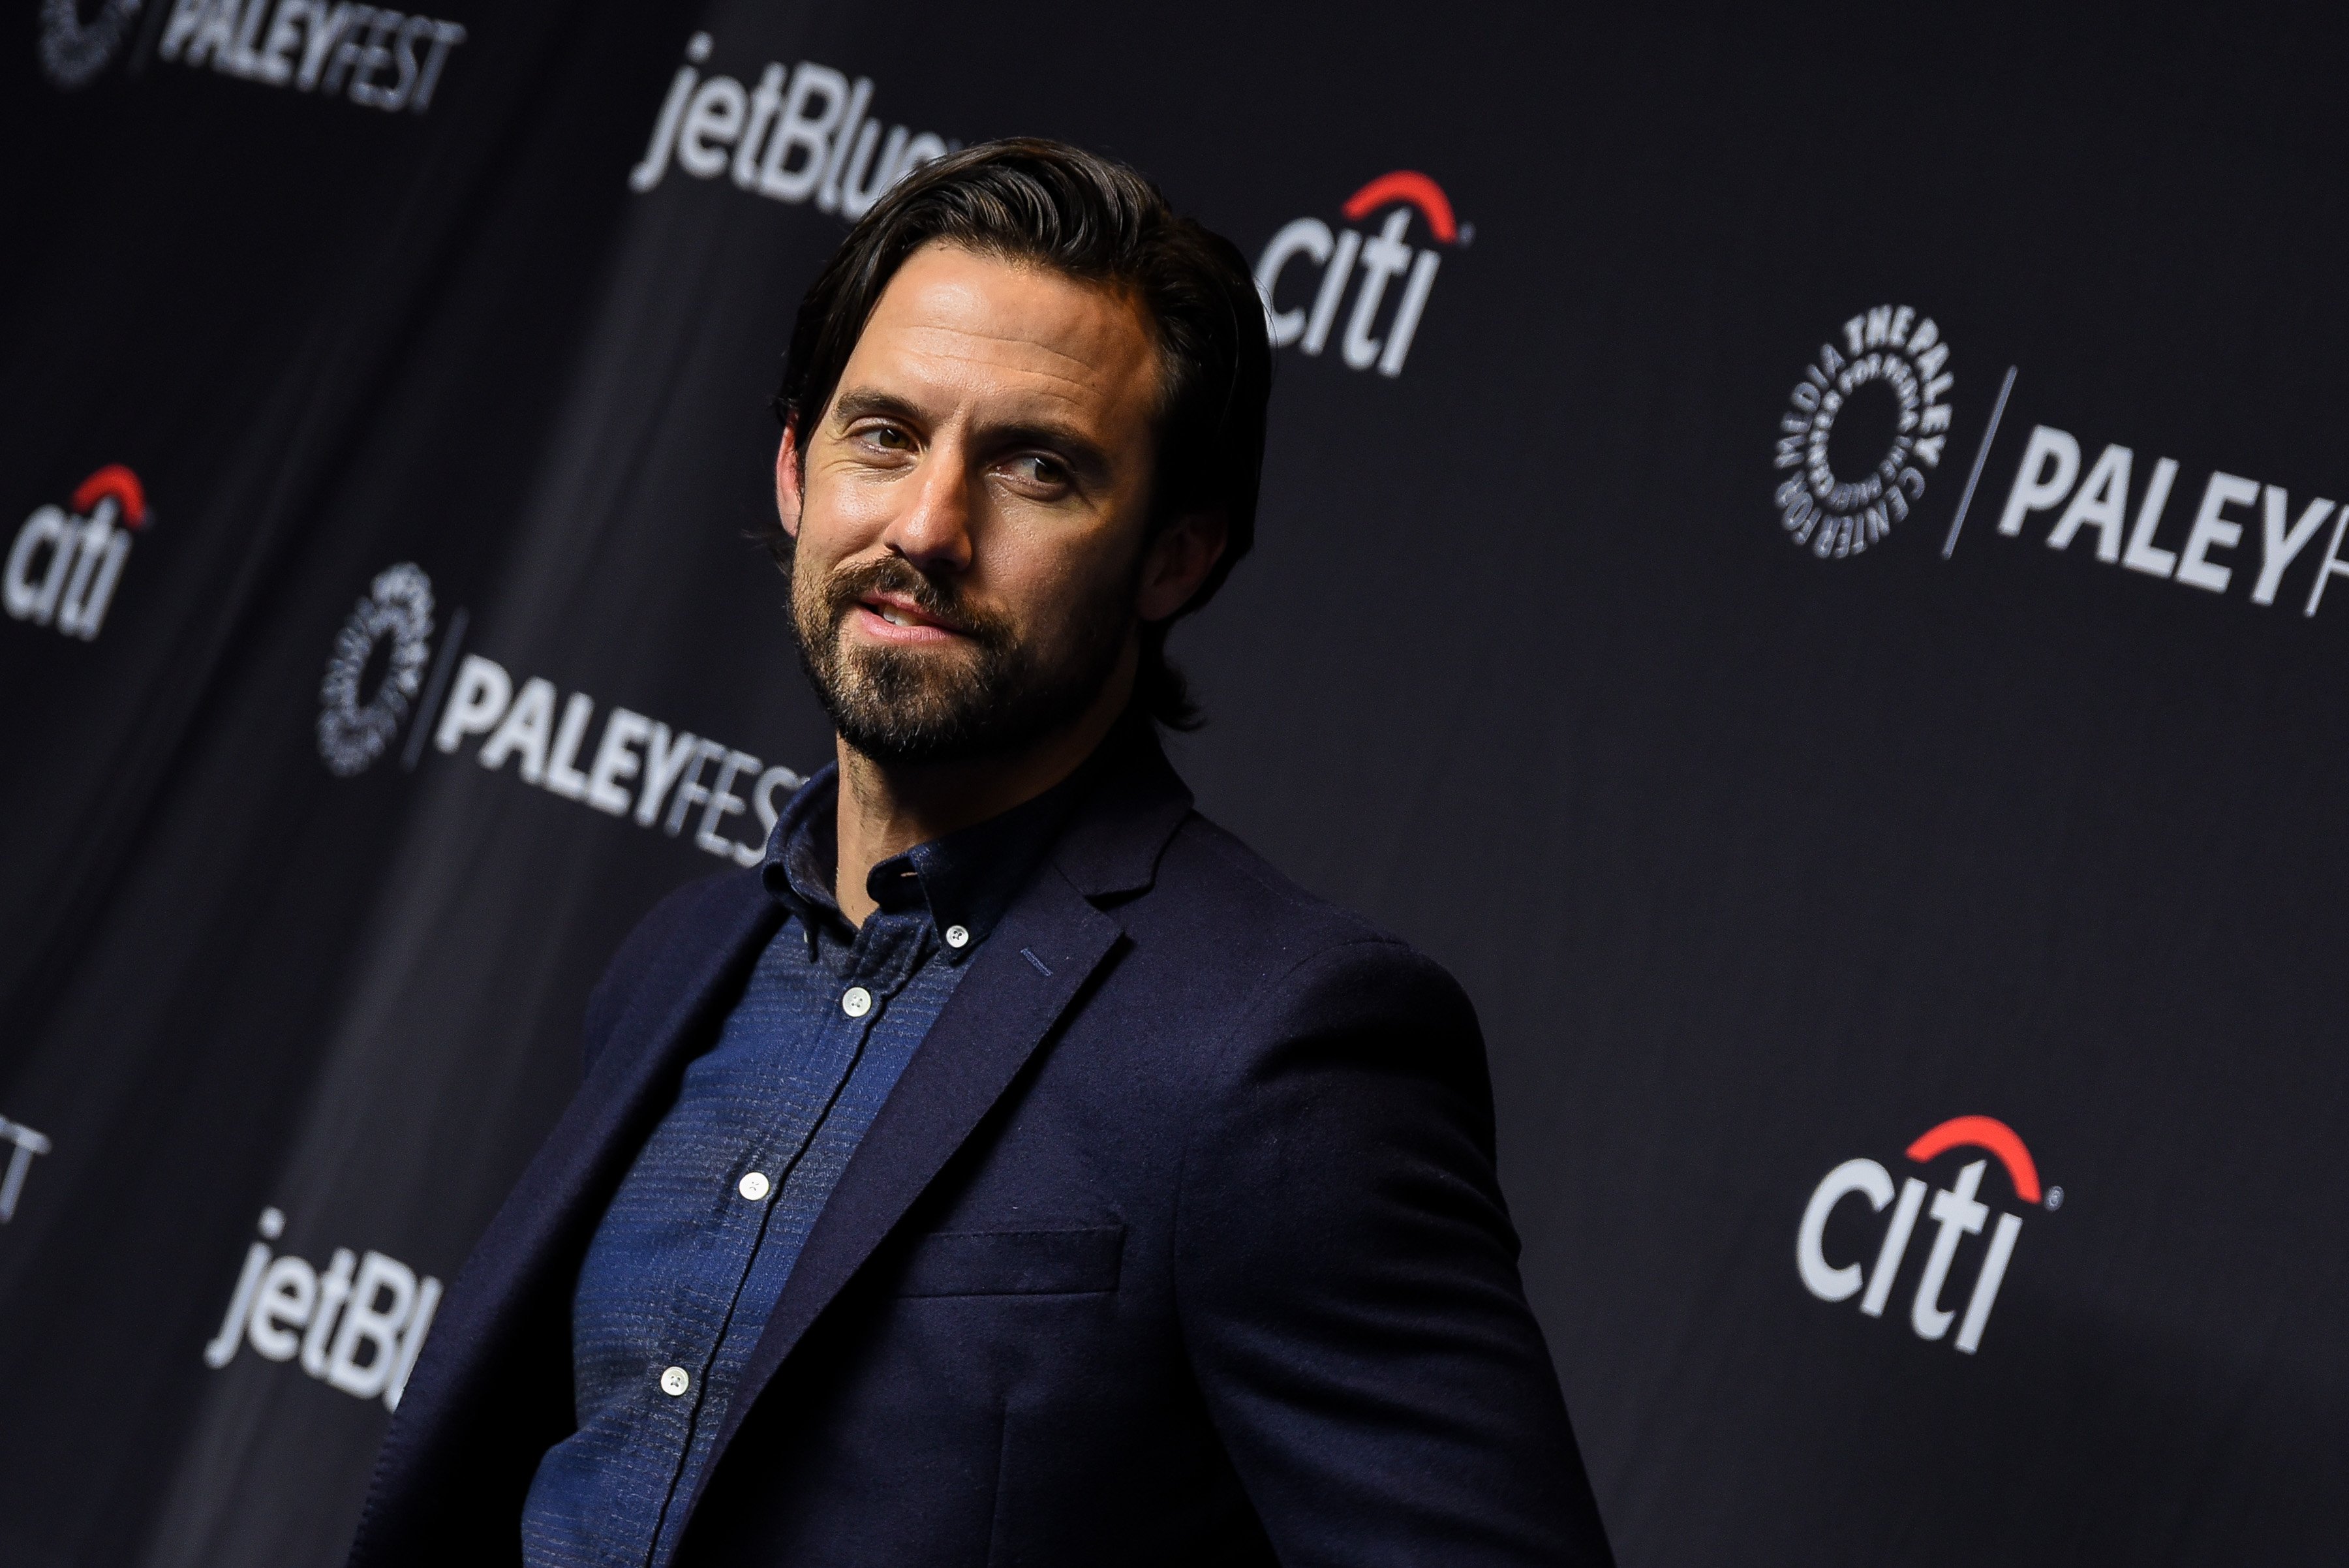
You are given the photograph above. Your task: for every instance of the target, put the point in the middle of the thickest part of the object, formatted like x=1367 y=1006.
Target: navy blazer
x=1178 y=1242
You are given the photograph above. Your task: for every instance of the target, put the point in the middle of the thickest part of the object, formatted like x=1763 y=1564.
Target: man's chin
x=904 y=735
x=907 y=710
x=928 y=678
x=957 y=702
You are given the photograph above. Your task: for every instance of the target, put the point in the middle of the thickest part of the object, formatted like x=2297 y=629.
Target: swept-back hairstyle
x=1097 y=221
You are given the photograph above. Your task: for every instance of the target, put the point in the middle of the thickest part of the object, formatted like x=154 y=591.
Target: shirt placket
x=884 y=956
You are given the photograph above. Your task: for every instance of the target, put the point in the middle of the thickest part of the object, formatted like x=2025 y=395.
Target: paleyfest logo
x=24 y=1144
x=1869 y=420
x=377 y=57
x=1889 y=355
x=1957 y=1213
x=384 y=674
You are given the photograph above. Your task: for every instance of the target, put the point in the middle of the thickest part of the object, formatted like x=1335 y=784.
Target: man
x=1013 y=1168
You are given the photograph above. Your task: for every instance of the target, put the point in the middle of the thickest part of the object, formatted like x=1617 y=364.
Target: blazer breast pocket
x=1074 y=1262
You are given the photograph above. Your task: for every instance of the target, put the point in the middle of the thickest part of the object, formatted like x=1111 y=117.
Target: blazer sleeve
x=1347 y=1282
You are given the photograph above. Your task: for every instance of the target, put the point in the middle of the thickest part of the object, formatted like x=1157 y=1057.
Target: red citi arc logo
x=1955 y=1211
x=63 y=568
x=1379 y=259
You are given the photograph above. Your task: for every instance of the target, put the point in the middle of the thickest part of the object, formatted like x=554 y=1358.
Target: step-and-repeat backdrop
x=1803 y=564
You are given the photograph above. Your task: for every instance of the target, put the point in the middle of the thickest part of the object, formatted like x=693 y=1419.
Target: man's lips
x=887 y=618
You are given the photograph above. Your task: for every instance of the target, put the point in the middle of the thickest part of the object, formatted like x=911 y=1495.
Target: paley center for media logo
x=1375 y=266
x=1958 y=1212
x=64 y=566
x=1895 y=354
x=629 y=766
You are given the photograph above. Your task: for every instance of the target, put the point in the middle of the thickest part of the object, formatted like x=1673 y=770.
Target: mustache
x=895 y=574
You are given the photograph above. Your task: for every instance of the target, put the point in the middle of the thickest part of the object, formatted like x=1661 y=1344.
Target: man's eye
x=889 y=438
x=1035 y=469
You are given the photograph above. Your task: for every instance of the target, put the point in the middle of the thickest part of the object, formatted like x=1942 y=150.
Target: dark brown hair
x=1097 y=221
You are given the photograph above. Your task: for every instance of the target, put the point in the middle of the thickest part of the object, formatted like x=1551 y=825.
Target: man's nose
x=933 y=532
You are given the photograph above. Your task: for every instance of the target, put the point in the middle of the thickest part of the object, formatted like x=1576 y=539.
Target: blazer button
x=675 y=1382
x=753 y=1185
x=857 y=1003
x=958 y=937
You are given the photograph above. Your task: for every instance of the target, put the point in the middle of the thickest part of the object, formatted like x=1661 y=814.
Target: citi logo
x=1956 y=1212
x=1378 y=260
x=64 y=566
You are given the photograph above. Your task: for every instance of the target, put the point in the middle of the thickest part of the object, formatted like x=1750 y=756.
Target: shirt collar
x=966 y=879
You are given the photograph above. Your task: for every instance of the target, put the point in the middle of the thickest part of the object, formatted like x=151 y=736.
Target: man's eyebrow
x=864 y=403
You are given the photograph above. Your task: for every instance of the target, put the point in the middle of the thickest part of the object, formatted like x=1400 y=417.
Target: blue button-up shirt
x=692 y=1254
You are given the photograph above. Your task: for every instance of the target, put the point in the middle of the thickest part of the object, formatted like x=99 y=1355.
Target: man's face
x=969 y=513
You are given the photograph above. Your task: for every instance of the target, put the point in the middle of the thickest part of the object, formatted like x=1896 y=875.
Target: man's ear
x=790 y=494
x=1178 y=561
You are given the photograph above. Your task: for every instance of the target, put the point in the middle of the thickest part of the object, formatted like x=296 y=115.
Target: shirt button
x=753 y=1185
x=857 y=1003
x=675 y=1382
x=958 y=937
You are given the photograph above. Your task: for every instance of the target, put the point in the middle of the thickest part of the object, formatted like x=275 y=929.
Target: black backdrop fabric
x=1806 y=585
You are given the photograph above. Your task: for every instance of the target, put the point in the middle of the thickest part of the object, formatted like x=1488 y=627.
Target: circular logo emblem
x=1862 y=429
x=73 y=51
x=353 y=733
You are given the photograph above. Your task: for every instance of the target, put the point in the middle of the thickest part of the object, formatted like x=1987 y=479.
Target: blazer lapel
x=606 y=1124
x=1033 y=964
x=545 y=1222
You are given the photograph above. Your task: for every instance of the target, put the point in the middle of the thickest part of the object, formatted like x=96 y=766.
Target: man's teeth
x=896 y=617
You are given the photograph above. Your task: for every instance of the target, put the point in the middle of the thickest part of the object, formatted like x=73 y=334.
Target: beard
x=1000 y=688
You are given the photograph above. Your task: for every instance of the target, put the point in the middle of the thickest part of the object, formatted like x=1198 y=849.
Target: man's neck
x=884 y=811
